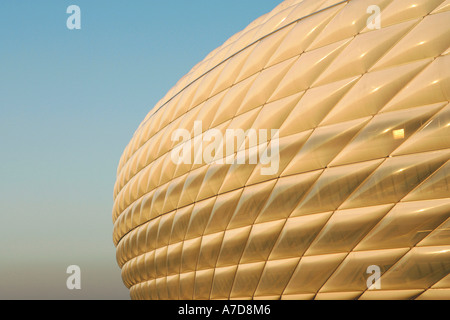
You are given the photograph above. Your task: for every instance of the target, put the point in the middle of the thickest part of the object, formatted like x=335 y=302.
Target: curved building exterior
x=306 y=158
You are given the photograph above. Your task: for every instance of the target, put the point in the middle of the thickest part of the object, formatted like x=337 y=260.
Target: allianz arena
x=358 y=206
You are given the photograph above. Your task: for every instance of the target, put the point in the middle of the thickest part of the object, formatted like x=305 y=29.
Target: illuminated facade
x=362 y=181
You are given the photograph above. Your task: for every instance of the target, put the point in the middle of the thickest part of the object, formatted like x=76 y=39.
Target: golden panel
x=354 y=202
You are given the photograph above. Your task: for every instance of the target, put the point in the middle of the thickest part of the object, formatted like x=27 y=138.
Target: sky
x=70 y=100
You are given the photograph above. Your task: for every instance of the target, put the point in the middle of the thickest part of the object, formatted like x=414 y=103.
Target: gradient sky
x=69 y=103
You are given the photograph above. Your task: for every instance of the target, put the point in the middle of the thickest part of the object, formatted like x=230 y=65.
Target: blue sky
x=70 y=100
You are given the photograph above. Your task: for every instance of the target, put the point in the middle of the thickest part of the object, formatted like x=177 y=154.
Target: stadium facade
x=350 y=111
